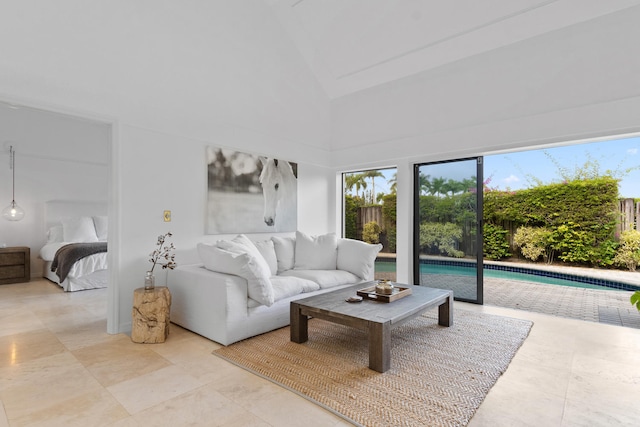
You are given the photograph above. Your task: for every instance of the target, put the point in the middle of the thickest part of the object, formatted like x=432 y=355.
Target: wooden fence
x=366 y=215
x=629 y=215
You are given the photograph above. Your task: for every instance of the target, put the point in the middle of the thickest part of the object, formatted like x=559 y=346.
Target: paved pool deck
x=603 y=306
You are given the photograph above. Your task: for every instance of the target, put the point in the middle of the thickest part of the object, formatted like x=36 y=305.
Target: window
x=369 y=214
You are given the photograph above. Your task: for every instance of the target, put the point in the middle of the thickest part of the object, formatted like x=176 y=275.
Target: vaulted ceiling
x=352 y=45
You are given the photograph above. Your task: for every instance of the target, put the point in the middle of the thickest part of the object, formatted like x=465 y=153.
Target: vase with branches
x=162 y=255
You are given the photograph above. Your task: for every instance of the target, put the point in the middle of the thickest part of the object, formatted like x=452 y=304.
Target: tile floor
x=58 y=367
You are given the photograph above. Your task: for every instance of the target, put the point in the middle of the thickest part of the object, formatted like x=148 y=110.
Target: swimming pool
x=461 y=268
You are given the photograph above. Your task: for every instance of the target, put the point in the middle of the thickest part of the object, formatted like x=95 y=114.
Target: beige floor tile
x=18 y=319
x=203 y=406
x=19 y=348
x=52 y=389
x=4 y=421
x=84 y=334
x=510 y=406
x=97 y=408
x=59 y=367
x=523 y=378
x=580 y=413
x=37 y=371
x=155 y=387
x=119 y=360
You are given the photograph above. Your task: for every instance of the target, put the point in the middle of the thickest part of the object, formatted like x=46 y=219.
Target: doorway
x=448 y=227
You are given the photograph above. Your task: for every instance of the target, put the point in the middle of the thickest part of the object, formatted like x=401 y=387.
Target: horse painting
x=279 y=189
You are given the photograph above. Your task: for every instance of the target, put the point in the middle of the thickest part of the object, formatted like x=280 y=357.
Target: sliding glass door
x=448 y=227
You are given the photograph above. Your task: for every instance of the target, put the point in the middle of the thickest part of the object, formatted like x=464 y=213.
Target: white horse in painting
x=279 y=188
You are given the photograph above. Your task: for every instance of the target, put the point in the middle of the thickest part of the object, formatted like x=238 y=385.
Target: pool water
x=382 y=266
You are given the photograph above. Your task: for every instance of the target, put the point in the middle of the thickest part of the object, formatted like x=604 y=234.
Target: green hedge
x=581 y=216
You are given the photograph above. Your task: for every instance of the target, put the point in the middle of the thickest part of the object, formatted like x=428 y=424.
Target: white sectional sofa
x=243 y=288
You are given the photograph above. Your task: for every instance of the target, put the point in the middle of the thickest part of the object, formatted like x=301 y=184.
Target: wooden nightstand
x=15 y=265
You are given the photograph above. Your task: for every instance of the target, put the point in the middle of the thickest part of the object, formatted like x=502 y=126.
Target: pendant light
x=13 y=212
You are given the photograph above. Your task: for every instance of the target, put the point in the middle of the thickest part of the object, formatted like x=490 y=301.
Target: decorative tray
x=371 y=294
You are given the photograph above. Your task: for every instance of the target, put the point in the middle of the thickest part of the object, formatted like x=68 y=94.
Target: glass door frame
x=479 y=225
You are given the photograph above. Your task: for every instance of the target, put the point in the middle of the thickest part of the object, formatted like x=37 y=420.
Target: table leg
x=299 y=324
x=380 y=346
x=445 y=312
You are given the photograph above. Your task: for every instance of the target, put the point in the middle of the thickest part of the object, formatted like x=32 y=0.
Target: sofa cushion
x=285 y=252
x=324 y=278
x=316 y=252
x=358 y=257
x=268 y=252
x=237 y=261
x=285 y=287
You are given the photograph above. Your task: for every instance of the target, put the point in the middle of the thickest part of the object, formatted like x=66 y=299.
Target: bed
x=75 y=254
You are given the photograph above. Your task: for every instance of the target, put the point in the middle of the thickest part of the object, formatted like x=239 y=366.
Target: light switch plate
x=167 y=216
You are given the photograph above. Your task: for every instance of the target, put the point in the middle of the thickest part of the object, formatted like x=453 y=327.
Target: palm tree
x=437 y=186
x=356 y=180
x=394 y=183
x=424 y=184
x=372 y=174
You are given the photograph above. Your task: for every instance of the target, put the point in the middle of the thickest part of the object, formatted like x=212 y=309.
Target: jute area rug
x=439 y=376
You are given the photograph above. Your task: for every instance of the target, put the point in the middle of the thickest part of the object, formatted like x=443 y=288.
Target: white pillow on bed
x=79 y=230
x=55 y=234
x=101 y=225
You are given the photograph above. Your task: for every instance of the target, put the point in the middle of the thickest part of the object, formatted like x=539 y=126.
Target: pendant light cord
x=13 y=169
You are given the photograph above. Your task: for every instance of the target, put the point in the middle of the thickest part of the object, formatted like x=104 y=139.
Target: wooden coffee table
x=376 y=318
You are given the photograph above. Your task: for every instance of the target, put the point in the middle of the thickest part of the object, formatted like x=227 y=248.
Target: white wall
x=171 y=77
x=577 y=83
x=57 y=157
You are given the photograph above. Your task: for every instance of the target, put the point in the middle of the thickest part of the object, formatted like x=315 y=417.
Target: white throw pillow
x=257 y=271
x=55 y=234
x=101 y=225
x=285 y=252
x=220 y=260
x=237 y=261
x=357 y=257
x=79 y=230
x=268 y=252
x=316 y=252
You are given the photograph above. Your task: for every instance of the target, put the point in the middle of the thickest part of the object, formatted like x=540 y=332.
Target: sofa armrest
x=207 y=302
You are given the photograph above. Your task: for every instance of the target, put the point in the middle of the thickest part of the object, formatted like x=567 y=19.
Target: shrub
x=371 y=232
x=441 y=238
x=534 y=243
x=629 y=251
x=495 y=245
x=350 y=215
x=389 y=220
x=635 y=299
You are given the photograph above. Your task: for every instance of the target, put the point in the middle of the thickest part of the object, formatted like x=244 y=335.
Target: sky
x=516 y=171
x=525 y=169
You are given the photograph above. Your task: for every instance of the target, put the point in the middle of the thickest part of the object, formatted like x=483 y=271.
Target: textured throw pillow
x=256 y=270
x=238 y=262
x=316 y=252
x=220 y=260
x=285 y=252
x=101 y=225
x=357 y=257
x=79 y=230
x=268 y=252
